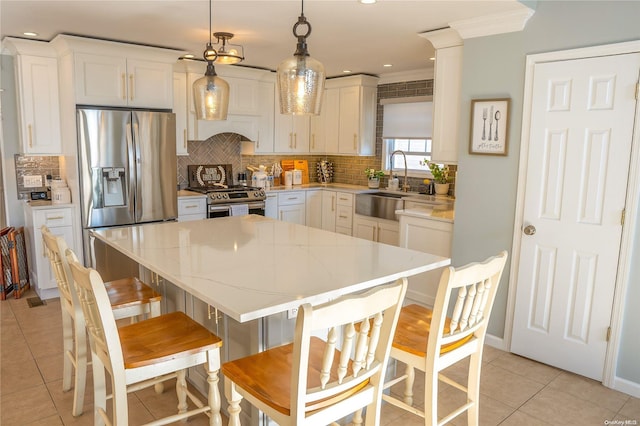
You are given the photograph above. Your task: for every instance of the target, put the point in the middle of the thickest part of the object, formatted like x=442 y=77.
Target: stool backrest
x=99 y=319
x=361 y=327
x=54 y=249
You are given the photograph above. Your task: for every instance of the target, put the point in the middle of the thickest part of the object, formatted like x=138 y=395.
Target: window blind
x=407 y=120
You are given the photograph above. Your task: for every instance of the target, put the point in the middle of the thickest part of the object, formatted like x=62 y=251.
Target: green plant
x=372 y=173
x=440 y=173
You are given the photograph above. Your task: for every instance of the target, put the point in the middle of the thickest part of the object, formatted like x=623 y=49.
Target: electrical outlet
x=292 y=313
x=32 y=181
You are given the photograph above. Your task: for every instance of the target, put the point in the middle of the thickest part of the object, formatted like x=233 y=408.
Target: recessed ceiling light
x=189 y=56
x=433 y=58
x=387 y=65
x=367 y=1
x=346 y=71
x=30 y=34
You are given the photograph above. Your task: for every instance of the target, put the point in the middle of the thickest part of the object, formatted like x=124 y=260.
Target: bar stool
x=429 y=341
x=129 y=297
x=318 y=381
x=140 y=355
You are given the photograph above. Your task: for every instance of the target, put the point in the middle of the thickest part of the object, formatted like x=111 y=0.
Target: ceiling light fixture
x=211 y=93
x=301 y=78
x=30 y=34
x=231 y=55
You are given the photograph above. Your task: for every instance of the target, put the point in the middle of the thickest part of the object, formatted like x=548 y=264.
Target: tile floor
x=514 y=391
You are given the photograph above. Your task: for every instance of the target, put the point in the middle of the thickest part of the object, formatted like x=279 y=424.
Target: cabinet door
x=314 y=210
x=192 y=208
x=271 y=206
x=264 y=141
x=389 y=233
x=243 y=96
x=39 y=105
x=349 y=131
x=150 y=84
x=324 y=128
x=329 y=207
x=365 y=228
x=180 y=109
x=291 y=133
x=100 y=80
x=294 y=214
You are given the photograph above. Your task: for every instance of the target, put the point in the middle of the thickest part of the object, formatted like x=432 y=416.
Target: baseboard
x=495 y=342
x=627 y=386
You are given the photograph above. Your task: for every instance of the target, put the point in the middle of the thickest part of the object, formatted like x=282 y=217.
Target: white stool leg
x=67 y=345
x=234 y=399
x=181 y=391
x=80 y=352
x=213 y=367
x=408 y=386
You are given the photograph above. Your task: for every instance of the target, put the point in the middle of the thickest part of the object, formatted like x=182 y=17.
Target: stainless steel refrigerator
x=128 y=169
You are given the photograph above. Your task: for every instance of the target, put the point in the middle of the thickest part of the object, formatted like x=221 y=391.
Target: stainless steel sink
x=382 y=205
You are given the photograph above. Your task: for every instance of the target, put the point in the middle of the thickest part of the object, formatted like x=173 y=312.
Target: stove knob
x=225 y=196
x=219 y=196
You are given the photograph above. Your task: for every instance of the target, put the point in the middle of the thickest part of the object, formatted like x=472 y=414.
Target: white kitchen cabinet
x=378 y=230
x=59 y=220
x=192 y=208
x=291 y=207
x=291 y=133
x=118 y=80
x=314 y=208
x=180 y=109
x=271 y=205
x=329 y=208
x=264 y=142
x=324 y=131
x=357 y=120
x=344 y=213
x=37 y=96
x=429 y=236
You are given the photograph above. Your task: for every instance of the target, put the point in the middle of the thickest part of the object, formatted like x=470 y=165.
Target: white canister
x=288 y=178
x=297 y=177
x=60 y=195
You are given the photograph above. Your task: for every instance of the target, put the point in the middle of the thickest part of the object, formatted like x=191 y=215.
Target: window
x=416 y=151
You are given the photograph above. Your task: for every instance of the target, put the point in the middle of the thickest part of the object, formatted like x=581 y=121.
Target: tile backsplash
x=27 y=165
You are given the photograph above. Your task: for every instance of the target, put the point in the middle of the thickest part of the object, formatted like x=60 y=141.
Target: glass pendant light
x=301 y=78
x=211 y=93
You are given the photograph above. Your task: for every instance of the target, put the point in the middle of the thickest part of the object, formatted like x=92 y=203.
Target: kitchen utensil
x=484 y=123
x=490 y=122
x=497 y=118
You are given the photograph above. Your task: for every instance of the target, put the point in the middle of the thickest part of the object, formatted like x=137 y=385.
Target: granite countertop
x=251 y=266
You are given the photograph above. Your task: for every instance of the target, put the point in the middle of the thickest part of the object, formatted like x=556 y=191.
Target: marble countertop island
x=250 y=267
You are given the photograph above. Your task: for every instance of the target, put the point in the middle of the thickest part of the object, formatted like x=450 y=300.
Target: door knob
x=529 y=230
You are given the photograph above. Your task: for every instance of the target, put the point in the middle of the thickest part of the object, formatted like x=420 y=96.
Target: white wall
x=494 y=67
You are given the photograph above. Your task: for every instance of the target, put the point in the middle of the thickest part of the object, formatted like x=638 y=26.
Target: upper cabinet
x=347 y=123
x=37 y=96
x=446 y=94
x=107 y=73
x=180 y=110
x=291 y=132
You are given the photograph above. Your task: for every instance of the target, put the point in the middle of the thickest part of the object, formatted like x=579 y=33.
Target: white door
x=582 y=118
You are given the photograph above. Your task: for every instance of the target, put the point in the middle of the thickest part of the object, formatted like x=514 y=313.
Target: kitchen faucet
x=405 y=187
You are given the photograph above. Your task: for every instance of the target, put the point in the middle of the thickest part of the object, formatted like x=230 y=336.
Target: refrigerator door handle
x=133 y=169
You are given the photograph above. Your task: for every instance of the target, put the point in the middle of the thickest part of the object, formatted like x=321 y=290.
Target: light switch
x=32 y=181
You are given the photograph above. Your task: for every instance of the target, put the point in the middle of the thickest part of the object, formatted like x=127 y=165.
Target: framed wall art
x=489 y=126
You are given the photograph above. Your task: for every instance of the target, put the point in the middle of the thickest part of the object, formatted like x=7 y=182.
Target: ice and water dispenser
x=113 y=186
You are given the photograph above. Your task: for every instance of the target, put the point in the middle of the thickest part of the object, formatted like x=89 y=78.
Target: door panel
x=578 y=163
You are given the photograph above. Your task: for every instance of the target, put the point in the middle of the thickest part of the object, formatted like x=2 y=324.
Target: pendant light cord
x=210 y=40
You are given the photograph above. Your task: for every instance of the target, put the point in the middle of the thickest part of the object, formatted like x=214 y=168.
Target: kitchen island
x=250 y=267
x=243 y=277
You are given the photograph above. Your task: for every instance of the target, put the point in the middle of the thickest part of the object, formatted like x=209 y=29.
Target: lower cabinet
x=428 y=236
x=271 y=206
x=59 y=220
x=292 y=207
x=192 y=208
x=379 y=230
x=314 y=208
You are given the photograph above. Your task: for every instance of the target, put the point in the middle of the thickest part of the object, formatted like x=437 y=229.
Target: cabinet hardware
x=185 y=138
x=355 y=141
x=29 y=127
x=342 y=217
x=124 y=87
x=193 y=206
x=333 y=203
x=131 y=91
x=291 y=140
x=55 y=218
x=295 y=141
x=313 y=141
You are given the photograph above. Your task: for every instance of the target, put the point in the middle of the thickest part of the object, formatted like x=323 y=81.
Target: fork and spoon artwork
x=491 y=116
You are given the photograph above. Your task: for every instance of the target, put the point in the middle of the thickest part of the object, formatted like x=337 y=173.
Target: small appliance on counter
x=60 y=193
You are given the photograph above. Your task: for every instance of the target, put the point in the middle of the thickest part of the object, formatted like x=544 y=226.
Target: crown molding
x=442 y=38
x=499 y=23
x=401 y=76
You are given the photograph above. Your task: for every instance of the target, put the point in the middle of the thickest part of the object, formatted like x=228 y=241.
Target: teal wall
x=494 y=67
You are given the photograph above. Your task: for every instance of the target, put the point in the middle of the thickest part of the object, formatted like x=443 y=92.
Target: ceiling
x=346 y=35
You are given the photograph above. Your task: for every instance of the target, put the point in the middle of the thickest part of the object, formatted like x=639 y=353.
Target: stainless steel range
x=223 y=197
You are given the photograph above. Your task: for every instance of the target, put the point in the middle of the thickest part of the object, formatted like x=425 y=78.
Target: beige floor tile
x=590 y=390
x=518 y=418
x=489 y=353
x=389 y=413
x=525 y=367
x=51 y=367
x=491 y=412
x=26 y=406
x=631 y=409
x=44 y=342
x=48 y=421
x=19 y=376
x=504 y=386
x=64 y=400
x=556 y=407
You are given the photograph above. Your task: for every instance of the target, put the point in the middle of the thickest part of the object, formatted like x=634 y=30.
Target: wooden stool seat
x=164 y=338
x=130 y=292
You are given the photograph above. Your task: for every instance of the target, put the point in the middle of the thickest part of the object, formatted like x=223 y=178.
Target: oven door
x=223 y=210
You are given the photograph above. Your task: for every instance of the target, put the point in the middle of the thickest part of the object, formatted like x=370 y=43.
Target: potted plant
x=440 y=178
x=374 y=177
